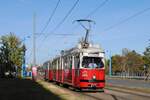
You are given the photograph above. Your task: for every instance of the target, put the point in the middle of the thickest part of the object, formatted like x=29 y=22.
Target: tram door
x=76 y=68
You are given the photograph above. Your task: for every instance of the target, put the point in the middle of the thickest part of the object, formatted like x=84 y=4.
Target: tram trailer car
x=79 y=67
x=48 y=73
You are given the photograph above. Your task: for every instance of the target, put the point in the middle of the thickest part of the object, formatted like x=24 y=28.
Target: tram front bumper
x=92 y=85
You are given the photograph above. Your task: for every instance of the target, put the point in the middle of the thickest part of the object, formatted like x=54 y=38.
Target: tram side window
x=44 y=67
x=50 y=64
x=70 y=62
x=54 y=65
x=58 y=64
x=65 y=62
x=77 y=62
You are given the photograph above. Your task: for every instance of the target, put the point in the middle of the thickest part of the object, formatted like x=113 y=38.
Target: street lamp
x=24 y=52
x=110 y=62
x=24 y=56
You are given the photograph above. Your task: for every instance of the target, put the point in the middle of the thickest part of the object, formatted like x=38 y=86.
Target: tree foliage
x=11 y=51
x=135 y=62
x=117 y=63
x=128 y=62
x=147 y=57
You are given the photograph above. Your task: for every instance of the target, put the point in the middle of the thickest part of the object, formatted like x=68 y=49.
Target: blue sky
x=16 y=16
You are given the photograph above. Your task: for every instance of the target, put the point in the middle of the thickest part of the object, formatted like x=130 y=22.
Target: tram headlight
x=94 y=77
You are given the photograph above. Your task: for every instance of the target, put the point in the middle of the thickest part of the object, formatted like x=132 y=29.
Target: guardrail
x=132 y=77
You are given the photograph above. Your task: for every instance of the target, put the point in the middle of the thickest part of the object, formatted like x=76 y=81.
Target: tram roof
x=78 y=48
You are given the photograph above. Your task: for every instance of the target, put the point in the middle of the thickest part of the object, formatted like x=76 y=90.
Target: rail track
x=108 y=94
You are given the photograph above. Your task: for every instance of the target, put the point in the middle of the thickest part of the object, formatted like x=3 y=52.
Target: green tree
x=117 y=63
x=134 y=62
x=11 y=52
x=147 y=56
x=146 y=59
x=107 y=66
x=128 y=62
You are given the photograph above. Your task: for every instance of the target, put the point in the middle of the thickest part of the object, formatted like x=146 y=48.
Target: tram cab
x=90 y=73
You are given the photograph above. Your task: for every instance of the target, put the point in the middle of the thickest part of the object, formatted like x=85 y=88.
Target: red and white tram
x=48 y=73
x=80 y=67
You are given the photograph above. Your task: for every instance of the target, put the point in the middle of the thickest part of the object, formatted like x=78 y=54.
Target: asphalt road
x=129 y=83
x=116 y=95
x=24 y=89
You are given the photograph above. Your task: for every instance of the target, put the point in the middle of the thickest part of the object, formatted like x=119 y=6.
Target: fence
x=140 y=76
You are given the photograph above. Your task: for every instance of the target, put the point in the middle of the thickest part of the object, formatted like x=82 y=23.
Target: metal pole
x=110 y=64
x=24 y=62
x=86 y=36
x=34 y=39
x=23 y=59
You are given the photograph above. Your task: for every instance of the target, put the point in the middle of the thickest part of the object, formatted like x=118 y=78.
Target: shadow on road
x=24 y=89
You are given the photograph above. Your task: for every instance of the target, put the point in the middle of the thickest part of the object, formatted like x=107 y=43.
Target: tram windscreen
x=92 y=62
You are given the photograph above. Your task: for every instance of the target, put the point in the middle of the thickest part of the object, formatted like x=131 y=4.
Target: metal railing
x=139 y=76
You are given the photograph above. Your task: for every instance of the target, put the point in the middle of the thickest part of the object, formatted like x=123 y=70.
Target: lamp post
x=24 y=57
x=23 y=60
x=110 y=64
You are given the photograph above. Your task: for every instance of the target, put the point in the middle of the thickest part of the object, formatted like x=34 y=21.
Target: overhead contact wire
x=50 y=18
x=127 y=19
x=63 y=20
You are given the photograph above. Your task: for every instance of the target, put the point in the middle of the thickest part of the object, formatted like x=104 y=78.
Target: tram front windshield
x=92 y=62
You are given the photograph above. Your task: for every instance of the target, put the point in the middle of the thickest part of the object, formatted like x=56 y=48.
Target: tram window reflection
x=92 y=62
